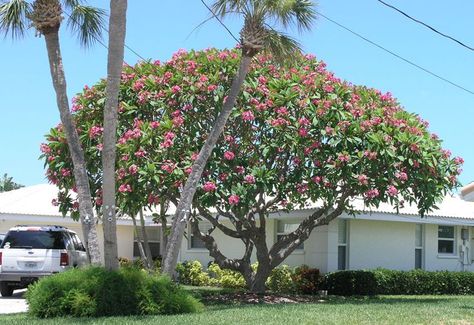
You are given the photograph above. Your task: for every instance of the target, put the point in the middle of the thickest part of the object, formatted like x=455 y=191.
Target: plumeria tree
x=297 y=135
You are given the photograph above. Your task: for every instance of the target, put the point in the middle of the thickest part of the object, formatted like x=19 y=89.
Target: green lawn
x=347 y=311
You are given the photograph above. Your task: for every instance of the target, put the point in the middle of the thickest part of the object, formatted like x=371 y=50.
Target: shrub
x=307 y=280
x=226 y=278
x=281 y=280
x=192 y=273
x=96 y=292
x=349 y=283
x=414 y=282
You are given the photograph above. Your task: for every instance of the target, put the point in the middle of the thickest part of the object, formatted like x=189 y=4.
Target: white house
x=380 y=237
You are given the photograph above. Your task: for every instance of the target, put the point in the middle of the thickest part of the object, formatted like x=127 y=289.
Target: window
x=418 y=246
x=286 y=227
x=342 y=231
x=446 y=240
x=153 y=234
x=35 y=239
x=195 y=242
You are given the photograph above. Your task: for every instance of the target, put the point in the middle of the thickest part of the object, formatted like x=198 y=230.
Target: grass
x=334 y=310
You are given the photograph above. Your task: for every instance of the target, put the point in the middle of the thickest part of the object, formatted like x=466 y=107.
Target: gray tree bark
x=146 y=243
x=187 y=195
x=86 y=212
x=117 y=28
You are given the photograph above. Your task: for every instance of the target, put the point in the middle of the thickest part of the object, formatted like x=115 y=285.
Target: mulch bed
x=253 y=298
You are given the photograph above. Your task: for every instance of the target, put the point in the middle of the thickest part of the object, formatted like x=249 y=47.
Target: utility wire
x=426 y=25
x=397 y=55
x=220 y=21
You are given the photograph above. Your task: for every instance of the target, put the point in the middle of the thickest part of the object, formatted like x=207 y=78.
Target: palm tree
x=46 y=17
x=256 y=35
x=117 y=28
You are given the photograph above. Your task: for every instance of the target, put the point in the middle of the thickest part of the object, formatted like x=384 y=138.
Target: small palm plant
x=46 y=16
x=256 y=35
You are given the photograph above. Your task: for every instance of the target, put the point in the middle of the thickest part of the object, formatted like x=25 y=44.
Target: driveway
x=13 y=304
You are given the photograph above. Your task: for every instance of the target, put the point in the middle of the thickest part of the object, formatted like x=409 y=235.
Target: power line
x=426 y=25
x=397 y=55
x=220 y=21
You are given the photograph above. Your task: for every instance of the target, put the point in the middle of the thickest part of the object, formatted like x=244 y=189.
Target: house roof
x=30 y=200
x=36 y=200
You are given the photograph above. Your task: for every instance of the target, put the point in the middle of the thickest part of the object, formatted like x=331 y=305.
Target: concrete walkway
x=13 y=304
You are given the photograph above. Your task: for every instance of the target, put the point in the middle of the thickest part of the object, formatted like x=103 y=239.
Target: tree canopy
x=296 y=135
x=7 y=184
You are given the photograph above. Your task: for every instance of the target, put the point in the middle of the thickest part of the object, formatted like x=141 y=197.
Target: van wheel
x=5 y=289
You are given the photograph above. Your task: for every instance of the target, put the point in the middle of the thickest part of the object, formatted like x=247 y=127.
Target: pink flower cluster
x=248 y=116
x=168 y=166
x=363 y=179
x=392 y=191
x=249 y=179
x=168 y=140
x=402 y=176
x=234 y=199
x=125 y=188
x=229 y=155
x=95 y=131
x=371 y=194
x=45 y=148
x=209 y=187
x=130 y=134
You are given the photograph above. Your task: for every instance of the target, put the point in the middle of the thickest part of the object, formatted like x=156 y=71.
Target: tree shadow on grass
x=334 y=300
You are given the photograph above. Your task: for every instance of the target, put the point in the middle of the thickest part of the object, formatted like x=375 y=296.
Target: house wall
x=391 y=245
x=374 y=244
x=314 y=252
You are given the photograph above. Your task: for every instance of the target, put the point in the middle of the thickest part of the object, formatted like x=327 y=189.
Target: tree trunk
x=146 y=244
x=187 y=195
x=138 y=234
x=117 y=27
x=86 y=212
x=163 y=237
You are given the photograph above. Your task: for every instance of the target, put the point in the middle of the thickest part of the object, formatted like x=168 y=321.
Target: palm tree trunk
x=86 y=212
x=187 y=195
x=117 y=28
x=146 y=243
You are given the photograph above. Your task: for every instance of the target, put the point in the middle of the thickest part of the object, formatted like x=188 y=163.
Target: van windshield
x=34 y=239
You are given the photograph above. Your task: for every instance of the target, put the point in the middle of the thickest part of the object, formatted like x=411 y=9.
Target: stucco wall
x=374 y=244
x=314 y=252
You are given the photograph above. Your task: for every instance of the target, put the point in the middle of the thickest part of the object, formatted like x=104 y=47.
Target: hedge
x=382 y=281
x=94 y=292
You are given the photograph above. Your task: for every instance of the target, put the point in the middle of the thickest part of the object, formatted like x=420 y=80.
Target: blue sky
x=156 y=29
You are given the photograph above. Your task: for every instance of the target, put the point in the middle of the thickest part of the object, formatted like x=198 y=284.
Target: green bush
x=307 y=280
x=226 y=278
x=191 y=273
x=96 y=292
x=281 y=280
x=349 y=283
x=415 y=282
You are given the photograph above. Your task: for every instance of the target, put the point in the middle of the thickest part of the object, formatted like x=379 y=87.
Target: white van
x=28 y=253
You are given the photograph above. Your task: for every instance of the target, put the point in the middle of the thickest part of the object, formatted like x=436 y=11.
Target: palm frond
x=300 y=13
x=71 y=4
x=87 y=23
x=282 y=47
x=222 y=8
x=13 y=17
